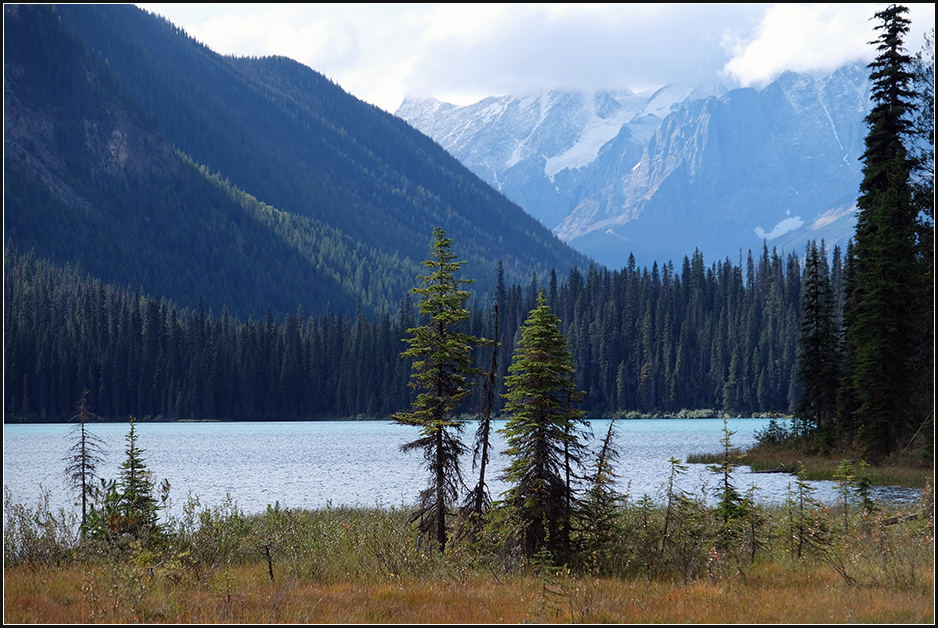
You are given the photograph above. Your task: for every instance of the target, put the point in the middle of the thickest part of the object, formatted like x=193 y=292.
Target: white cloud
x=803 y=38
x=527 y=48
x=463 y=52
x=814 y=38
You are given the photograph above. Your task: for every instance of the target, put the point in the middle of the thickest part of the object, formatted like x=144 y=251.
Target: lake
x=358 y=463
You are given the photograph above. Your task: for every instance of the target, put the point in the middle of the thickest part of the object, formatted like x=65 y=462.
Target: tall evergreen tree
x=819 y=347
x=541 y=433
x=884 y=296
x=442 y=372
x=923 y=146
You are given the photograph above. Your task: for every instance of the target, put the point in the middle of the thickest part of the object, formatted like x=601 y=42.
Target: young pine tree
x=442 y=372
x=137 y=503
x=730 y=504
x=478 y=499
x=843 y=484
x=127 y=507
x=543 y=439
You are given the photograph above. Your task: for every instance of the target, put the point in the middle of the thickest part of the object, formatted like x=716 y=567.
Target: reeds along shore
x=683 y=562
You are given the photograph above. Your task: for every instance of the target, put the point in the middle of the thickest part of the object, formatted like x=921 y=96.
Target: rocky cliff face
x=66 y=129
x=663 y=173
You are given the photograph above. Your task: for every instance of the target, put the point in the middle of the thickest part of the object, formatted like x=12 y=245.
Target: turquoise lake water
x=356 y=463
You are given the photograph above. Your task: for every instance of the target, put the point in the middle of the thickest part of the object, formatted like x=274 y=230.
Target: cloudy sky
x=461 y=53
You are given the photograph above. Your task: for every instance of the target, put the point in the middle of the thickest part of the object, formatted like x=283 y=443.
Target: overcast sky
x=461 y=53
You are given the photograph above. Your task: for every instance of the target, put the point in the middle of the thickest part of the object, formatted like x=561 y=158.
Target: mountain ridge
x=283 y=190
x=737 y=167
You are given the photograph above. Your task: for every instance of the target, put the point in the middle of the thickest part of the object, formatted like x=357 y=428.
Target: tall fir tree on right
x=881 y=397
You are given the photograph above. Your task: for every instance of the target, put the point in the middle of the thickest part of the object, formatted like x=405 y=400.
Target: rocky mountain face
x=662 y=174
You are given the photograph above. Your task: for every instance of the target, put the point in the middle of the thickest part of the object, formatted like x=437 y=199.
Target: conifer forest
x=721 y=337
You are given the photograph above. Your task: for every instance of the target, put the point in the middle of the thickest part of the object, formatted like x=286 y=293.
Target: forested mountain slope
x=139 y=154
x=90 y=180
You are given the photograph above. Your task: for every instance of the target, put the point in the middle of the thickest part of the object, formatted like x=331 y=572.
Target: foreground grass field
x=802 y=563
x=767 y=594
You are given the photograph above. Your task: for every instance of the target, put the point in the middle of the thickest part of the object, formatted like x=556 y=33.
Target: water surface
x=356 y=463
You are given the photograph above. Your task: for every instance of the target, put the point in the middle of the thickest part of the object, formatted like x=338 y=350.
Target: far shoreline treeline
x=627 y=416
x=646 y=342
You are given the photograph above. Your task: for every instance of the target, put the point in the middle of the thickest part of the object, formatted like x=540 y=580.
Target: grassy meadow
x=678 y=562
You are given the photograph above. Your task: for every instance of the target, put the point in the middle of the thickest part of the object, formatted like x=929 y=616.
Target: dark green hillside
x=90 y=180
x=294 y=140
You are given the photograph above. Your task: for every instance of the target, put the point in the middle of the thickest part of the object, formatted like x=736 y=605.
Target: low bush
x=34 y=535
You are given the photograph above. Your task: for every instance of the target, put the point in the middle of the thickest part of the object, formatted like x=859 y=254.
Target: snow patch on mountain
x=587 y=147
x=612 y=111
x=662 y=101
x=494 y=109
x=789 y=224
x=832 y=215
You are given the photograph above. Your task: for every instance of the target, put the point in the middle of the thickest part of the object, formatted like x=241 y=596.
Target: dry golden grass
x=349 y=565
x=768 y=594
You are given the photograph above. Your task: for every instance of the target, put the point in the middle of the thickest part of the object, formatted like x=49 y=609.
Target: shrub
x=773 y=434
x=207 y=539
x=36 y=534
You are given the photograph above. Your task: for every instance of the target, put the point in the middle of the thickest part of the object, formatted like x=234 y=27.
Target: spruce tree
x=819 y=350
x=730 y=504
x=542 y=434
x=442 y=373
x=137 y=503
x=601 y=507
x=884 y=295
x=127 y=508
x=923 y=128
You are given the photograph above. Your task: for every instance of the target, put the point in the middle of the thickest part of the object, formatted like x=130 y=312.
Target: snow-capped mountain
x=660 y=174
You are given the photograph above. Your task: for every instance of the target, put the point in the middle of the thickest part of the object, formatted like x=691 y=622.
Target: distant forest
x=660 y=340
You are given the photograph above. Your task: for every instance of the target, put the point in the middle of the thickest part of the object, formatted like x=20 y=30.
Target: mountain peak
x=673 y=169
